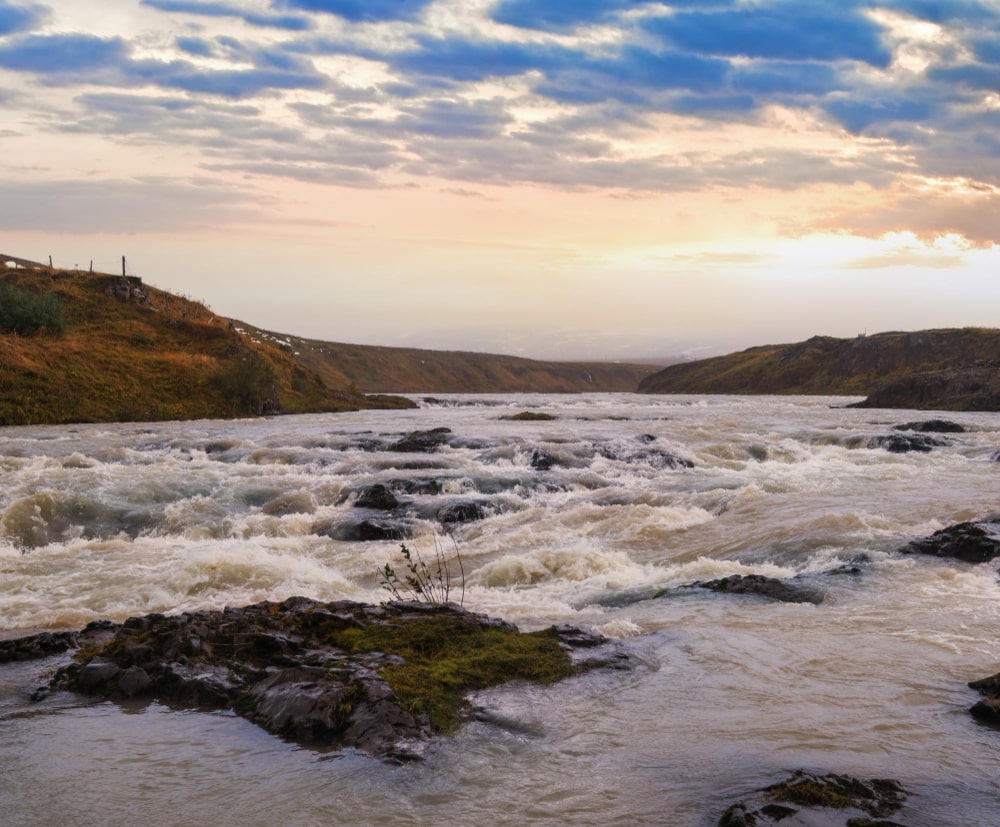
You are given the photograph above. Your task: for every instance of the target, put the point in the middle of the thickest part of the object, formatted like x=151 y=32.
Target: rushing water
x=728 y=693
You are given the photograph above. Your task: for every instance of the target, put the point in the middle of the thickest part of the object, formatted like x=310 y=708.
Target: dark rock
x=421 y=442
x=369 y=530
x=467 y=511
x=134 y=682
x=429 y=487
x=987 y=711
x=828 y=799
x=931 y=426
x=541 y=460
x=37 y=646
x=769 y=587
x=378 y=497
x=315 y=672
x=653 y=457
x=97 y=673
x=530 y=416
x=899 y=444
x=973 y=542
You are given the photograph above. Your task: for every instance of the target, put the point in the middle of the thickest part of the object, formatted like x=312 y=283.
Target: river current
x=597 y=518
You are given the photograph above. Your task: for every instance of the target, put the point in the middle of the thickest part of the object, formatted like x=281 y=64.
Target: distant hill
x=85 y=347
x=930 y=369
x=375 y=369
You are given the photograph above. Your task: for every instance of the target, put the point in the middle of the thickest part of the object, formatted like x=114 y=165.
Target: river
x=598 y=518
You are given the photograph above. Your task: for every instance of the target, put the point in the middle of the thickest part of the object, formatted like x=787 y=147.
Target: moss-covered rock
x=339 y=674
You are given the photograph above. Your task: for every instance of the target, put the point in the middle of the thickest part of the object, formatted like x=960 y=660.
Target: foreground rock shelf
x=381 y=679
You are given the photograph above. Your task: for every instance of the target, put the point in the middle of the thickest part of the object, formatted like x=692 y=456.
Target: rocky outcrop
x=831 y=800
x=768 y=587
x=987 y=710
x=974 y=542
x=380 y=679
x=422 y=442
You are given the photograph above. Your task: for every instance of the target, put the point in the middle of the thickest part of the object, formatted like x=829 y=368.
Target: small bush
x=24 y=312
x=422 y=582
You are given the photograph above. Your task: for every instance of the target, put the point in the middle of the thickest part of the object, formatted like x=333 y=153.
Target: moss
x=444 y=657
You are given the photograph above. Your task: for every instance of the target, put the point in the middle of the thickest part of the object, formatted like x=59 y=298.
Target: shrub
x=422 y=582
x=24 y=312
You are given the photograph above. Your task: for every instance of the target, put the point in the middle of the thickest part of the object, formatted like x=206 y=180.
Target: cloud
x=294 y=23
x=778 y=31
x=548 y=15
x=14 y=19
x=362 y=11
x=60 y=54
x=122 y=206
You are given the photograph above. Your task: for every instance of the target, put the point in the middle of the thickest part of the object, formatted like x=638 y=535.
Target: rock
x=467 y=511
x=97 y=673
x=378 y=497
x=832 y=800
x=987 y=710
x=530 y=416
x=421 y=442
x=339 y=674
x=931 y=426
x=429 y=487
x=621 y=451
x=541 y=460
x=134 y=682
x=37 y=646
x=769 y=587
x=899 y=444
x=974 y=542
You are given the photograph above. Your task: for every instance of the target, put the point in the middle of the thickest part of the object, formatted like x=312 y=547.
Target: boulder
x=831 y=800
x=466 y=511
x=421 y=442
x=974 y=541
x=900 y=444
x=768 y=587
x=987 y=710
x=376 y=496
x=541 y=460
x=932 y=426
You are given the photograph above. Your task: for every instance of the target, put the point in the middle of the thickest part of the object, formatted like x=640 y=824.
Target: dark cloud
x=196 y=46
x=782 y=31
x=15 y=19
x=294 y=23
x=60 y=54
x=361 y=11
x=548 y=15
x=476 y=60
x=857 y=115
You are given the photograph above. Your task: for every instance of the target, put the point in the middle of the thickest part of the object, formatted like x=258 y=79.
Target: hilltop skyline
x=590 y=180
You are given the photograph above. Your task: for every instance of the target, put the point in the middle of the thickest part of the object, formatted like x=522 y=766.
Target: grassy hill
x=931 y=369
x=374 y=369
x=83 y=347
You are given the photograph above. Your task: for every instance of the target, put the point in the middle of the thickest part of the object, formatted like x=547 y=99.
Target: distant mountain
x=85 y=347
x=930 y=369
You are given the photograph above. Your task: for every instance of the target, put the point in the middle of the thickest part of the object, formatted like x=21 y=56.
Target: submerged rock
x=340 y=674
x=421 y=442
x=467 y=511
x=831 y=800
x=769 y=587
x=932 y=426
x=900 y=444
x=974 y=542
x=378 y=497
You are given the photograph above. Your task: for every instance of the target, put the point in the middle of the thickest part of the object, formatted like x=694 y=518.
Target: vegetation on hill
x=112 y=349
x=931 y=369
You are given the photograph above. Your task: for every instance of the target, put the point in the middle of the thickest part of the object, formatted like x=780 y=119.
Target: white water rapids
x=729 y=692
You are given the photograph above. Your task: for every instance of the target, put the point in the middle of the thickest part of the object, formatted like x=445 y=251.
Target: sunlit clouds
x=557 y=179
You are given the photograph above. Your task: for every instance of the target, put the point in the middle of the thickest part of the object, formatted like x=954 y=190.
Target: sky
x=551 y=178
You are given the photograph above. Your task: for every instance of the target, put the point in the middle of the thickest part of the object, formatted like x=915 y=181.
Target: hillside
x=103 y=348
x=374 y=369
x=931 y=369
